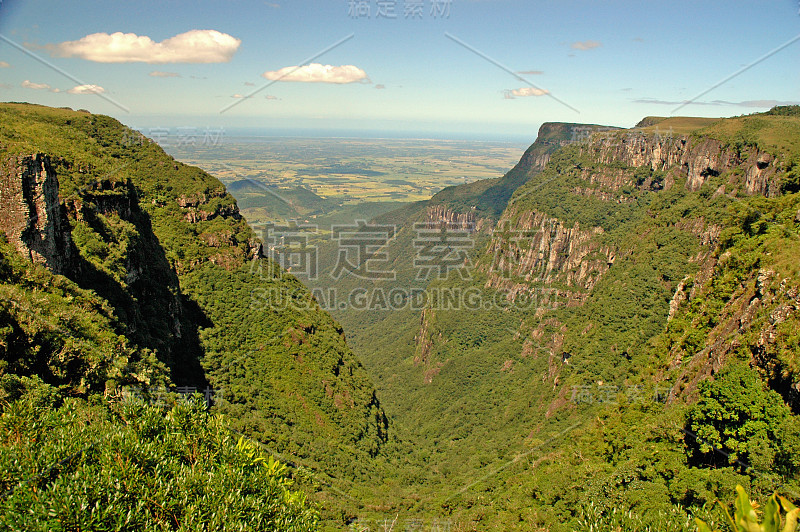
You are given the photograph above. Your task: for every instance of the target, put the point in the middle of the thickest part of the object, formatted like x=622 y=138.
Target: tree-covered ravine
x=605 y=338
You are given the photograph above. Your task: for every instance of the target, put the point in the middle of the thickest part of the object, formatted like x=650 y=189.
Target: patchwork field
x=333 y=179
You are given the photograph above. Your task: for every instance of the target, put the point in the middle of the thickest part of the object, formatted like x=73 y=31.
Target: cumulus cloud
x=585 y=45
x=87 y=89
x=160 y=74
x=195 y=46
x=316 y=73
x=3 y=64
x=37 y=86
x=529 y=91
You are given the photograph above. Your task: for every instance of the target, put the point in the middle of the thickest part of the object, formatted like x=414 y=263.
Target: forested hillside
x=605 y=338
x=128 y=274
x=630 y=351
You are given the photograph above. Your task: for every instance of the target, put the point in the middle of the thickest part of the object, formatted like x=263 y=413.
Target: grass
x=679 y=125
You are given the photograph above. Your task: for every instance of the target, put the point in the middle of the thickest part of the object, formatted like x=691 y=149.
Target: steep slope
x=474 y=208
x=631 y=268
x=178 y=272
x=655 y=261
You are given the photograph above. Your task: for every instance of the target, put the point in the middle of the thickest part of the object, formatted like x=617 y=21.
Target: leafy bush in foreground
x=100 y=465
x=745 y=519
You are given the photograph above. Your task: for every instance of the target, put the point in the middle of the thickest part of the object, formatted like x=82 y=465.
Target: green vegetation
x=739 y=422
x=745 y=519
x=654 y=368
x=67 y=336
x=776 y=132
x=162 y=292
x=110 y=464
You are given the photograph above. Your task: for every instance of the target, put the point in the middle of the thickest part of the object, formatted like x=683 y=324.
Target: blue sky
x=608 y=62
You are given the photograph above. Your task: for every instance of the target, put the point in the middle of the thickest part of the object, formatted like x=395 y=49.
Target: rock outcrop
x=696 y=159
x=142 y=286
x=31 y=214
x=532 y=249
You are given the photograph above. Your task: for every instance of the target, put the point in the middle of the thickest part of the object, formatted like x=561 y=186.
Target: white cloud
x=160 y=74
x=585 y=45
x=38 y=86
x=529 y=91
x=87 y=89
x=3 y=64
x=316 y=73
x=195 y=46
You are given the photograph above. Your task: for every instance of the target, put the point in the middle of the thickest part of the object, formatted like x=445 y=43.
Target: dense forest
x=631 y=361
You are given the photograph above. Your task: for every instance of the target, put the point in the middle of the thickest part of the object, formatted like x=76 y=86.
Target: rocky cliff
x=31 y=214
x=691 y=157
x=537 y=250
x=162 y=247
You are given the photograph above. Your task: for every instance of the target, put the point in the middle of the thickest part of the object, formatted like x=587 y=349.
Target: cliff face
x=139 y=283
x=757 y=320
x=531 y=249
x=31 y=214
x=724 y=307
x=165 y=252
x=459 y=221
x=696 y=159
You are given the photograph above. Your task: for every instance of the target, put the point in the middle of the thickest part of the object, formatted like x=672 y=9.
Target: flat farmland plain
x=319 y=178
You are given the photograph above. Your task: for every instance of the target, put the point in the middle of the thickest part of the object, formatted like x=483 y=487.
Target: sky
x=478 y=67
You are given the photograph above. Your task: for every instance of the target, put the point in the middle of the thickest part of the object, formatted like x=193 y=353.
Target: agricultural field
x=332 y=180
